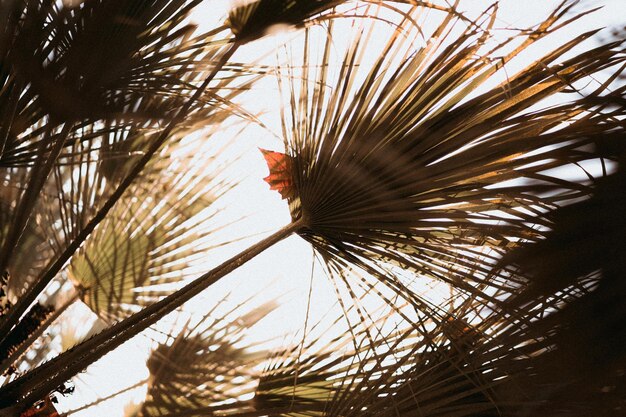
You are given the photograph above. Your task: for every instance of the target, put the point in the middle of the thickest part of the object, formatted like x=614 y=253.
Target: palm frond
x=411 y=163
x=470 y=361
x=153 y=240
x=205 y=364
x=143 y=49
x=32 y=251
x=414 y=169
x=586 y=360
x=359 y=374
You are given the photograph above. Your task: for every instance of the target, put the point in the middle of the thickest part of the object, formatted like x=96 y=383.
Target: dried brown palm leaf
x=251 y=19
x=470 y=361
x=356 y=373
x=586 y=362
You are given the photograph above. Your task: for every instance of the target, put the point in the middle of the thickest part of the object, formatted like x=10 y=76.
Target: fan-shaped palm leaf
x=252 y=19
x=586 y=362
x=148 y=241
x=443 y=366
x=204 y=364
x=411 y=164
x=33 y=249
x=83 y=180
x=355 y=374
x=134 y=41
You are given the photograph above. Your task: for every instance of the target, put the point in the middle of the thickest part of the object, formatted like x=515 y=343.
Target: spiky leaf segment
x=66 y=78
x=468 y=360
x=33 y=249
x=355 y=374
x=410 y=164
x=33 y=319
x=251 y=19
x=5 y=303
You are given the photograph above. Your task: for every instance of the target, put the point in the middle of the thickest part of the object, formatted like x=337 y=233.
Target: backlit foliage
x=459 y=183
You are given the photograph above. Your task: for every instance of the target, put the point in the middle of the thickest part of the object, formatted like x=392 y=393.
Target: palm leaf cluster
x=431 y=173
x=132 y=63
x=495 y=366
x=64 y=115
x=79 y=127
x=392 y=374
x=450 y=368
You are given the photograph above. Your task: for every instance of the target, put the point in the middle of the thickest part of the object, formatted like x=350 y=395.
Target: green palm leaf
x=33 y=249
x=62 y=104
x=153 y=240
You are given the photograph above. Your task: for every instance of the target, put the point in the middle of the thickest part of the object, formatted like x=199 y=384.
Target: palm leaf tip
x=412 y=164
x=253 y=19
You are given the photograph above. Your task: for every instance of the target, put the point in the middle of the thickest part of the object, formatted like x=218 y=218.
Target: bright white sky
x=287 y=265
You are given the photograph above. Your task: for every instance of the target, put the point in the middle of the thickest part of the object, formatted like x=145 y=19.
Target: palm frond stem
x=104 y=399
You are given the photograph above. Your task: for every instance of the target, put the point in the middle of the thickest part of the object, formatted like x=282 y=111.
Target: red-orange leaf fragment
x=280 y=176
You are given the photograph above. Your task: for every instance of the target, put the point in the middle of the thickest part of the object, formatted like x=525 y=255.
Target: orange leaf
x=280 y=176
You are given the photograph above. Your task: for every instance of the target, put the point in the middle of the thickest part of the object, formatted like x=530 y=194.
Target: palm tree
x=406 y=167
